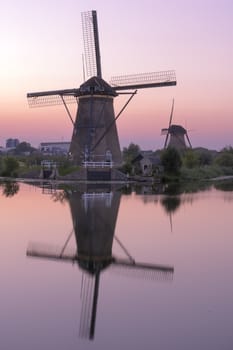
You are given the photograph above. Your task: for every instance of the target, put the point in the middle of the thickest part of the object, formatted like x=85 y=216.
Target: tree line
x=188 y=163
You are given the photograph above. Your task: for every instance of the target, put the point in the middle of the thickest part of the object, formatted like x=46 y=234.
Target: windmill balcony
x=104 y=164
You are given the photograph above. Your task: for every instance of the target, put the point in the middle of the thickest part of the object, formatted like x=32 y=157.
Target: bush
x=171 y=161
x=10 y=167
x=66 y=169
x=224 y=159
x=202 y=173
x=191 y=159
x=126 y=168
x=131 y=152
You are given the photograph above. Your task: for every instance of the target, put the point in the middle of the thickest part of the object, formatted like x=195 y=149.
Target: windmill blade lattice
x=52 y=98
x=126 y=267
x=143 y=270
x=144 y=80
x=51 y=252
x=87 y=291
x=91 y=44
x=46 y=101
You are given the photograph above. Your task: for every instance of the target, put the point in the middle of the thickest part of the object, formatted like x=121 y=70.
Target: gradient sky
x=41 y=49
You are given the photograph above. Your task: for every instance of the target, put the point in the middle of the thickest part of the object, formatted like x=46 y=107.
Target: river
x=112 y=267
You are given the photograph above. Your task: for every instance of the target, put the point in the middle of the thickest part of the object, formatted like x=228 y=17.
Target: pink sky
x=41 y=48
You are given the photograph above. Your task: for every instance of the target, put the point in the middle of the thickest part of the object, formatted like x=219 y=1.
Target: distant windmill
x=175 y=134
x=94 y=214
x=95 y=138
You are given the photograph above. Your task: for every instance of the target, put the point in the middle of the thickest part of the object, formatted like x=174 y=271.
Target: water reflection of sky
x=40 y=299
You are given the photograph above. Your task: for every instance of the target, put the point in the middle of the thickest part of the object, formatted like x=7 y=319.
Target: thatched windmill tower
x=176 y=135
x=95 y=138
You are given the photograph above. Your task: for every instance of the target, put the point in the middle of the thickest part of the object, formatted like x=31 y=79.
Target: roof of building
x=153 y=158
x=54 y=143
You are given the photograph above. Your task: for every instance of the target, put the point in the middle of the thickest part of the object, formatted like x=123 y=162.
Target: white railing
x=96 y=195
x=89 y=198
x=97 y=164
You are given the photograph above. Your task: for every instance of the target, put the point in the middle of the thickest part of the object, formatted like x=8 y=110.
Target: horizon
x=122 y=148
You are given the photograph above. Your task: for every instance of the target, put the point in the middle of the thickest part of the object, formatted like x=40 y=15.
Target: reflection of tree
x=171 y=204
x=9 y=188
x=175 y=188
x=224 y=186
x=126 y=190
x=60 y=196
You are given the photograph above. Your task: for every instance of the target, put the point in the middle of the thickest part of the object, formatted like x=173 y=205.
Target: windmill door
x=98 y=175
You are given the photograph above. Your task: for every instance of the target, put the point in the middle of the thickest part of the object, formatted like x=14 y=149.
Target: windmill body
x=94 y=115
x=95 y=140
x=176 y=135
x=94 y=214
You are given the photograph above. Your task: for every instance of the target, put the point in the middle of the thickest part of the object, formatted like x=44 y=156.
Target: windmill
x=95 y=139
x=176 y=134
x=94 y=214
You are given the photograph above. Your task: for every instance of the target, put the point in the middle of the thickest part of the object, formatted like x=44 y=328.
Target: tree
x=24 y=147
x=205 y=157
x=11 y=166
x=191 y=159
x=224 y=159
x=130 y=152
x=227 y=149
x=1 y=165
x=171 y=160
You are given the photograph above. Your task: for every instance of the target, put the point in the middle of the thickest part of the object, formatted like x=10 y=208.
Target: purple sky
x=41 y=49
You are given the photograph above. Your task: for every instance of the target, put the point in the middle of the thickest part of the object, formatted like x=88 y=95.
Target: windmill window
x=92 y=131
x=99 y=88
x=108 y=156
x=85 y=89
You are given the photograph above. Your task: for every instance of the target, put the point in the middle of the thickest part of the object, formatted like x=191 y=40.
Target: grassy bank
x=204 y=172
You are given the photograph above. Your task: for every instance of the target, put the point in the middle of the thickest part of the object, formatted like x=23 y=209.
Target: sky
x=42 y=47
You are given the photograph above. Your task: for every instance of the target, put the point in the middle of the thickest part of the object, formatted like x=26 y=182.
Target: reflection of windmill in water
x=171 y=204
x=95 y=137
x=94 y=215
x=176 y=135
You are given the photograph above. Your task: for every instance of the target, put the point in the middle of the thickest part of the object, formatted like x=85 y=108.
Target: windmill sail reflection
x=94 y=213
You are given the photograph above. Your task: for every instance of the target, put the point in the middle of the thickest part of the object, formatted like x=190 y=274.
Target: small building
x=12 y=143
x=51 y=148
x=147 y=163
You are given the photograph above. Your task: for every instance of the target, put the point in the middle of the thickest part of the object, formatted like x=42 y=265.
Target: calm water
x=101 y=268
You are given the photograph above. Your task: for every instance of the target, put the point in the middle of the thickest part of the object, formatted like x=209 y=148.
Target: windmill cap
x=96 y=86
x=177 y=129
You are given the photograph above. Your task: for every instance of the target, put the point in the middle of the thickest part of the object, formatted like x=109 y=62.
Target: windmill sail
x=188 y=139
x=91 y=44
x=169 y=125
x=164 y=131
x=51 y=98
x=144 y=80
